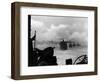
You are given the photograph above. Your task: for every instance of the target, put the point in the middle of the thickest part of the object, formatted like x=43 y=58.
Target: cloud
x=79 y=37
x=55 y=32
x=76 y=31
x=39 y=26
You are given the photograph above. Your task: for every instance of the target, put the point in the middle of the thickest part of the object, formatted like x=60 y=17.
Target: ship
x=63 y=45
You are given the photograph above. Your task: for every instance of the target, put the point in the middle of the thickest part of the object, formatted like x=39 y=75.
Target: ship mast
x=35 y=40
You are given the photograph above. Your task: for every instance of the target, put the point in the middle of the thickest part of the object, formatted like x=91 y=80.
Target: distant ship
x=63 y=45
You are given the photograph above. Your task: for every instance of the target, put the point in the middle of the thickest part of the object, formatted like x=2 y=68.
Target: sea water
x=72 y=53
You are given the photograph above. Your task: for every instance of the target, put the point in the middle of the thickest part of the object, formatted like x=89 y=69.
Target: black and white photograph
x=57 y=40
x=53 y=40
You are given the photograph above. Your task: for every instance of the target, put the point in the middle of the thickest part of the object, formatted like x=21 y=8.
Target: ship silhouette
x=63 y=45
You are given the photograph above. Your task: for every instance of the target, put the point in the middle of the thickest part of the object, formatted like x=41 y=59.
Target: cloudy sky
x=56 y=28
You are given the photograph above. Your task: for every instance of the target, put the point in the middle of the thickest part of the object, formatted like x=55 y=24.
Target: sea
x=61 y=55
x=72 y=53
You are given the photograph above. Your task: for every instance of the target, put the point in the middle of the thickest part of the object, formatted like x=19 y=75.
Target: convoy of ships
x=64 y=45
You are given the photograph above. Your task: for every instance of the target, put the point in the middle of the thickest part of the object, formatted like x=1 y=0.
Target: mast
x=34 y=40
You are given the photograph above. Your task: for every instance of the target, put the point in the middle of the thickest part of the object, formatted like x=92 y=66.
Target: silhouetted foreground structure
x=69 y=62
x=83 y=59
x=43 y=57
x=39 y=57
x=47 y=57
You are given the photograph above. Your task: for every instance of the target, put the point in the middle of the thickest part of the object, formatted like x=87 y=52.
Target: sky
x=57 y=28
